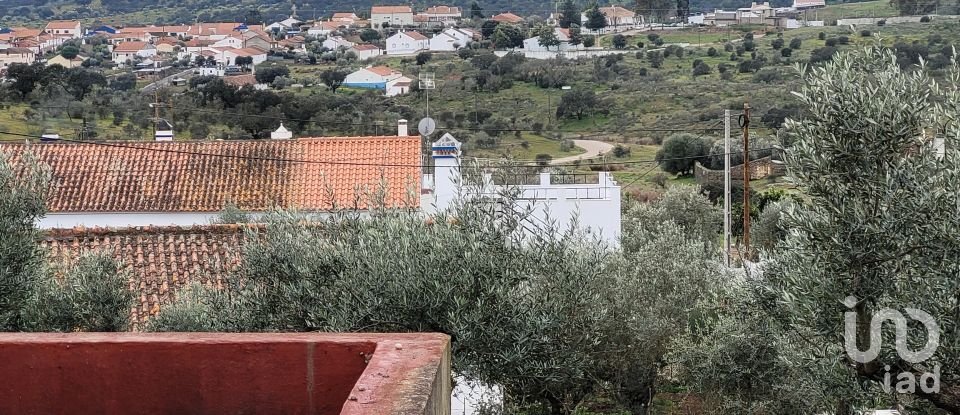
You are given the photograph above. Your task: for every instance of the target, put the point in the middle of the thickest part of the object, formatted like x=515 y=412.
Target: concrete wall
x=180 y=373
x=124 y=219
x=759 y=169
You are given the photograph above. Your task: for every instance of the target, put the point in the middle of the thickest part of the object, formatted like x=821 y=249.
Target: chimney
x=401 y=128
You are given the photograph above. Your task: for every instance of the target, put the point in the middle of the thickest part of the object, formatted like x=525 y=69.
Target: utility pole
x=746 y=179
x=726 y=185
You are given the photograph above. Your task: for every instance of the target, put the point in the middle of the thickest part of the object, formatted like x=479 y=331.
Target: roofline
x=135 y=144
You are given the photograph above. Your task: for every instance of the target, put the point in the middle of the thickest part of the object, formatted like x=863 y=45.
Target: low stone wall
x=759 y=169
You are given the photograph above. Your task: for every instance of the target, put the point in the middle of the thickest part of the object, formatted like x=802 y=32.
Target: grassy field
x=14 y=120
x=831 y=13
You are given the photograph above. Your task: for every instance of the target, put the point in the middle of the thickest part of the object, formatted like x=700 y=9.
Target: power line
x=346 y=163
x=448 y=128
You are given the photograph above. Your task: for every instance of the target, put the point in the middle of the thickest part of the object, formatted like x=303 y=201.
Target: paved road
x=148 y=89
x=594 y=149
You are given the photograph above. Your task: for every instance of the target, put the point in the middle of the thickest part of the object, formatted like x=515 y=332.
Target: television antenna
x=428 y=82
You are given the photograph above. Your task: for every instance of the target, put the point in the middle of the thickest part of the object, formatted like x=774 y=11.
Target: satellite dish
x=427 y=126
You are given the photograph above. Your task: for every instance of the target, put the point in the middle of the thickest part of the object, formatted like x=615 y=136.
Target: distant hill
x=15 y=12
x=187 y=11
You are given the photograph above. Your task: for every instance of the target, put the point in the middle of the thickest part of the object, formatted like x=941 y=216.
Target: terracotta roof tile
x=256 y=175
x=160 y=260
x=507 y=18
x=63 y=24
x=442 y=10
x=390 y=9
x=130 y=46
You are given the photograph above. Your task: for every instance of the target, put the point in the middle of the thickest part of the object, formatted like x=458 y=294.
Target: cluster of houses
x=763 y=14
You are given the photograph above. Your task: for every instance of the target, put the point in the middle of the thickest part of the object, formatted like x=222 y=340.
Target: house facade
x=128 y=51
x=618 y=19
x=556 y=201
x=337 y=42
x=563 y=35
x=450 y=40
x=391 y=16
x=374 y=77
x=70 y=29
x=10 y=56
x=407 y=43
x=442 y=15
x=366 y=51
x=66 y=63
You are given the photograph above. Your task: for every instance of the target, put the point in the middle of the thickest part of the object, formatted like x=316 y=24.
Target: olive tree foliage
x=35 y=294
x=548 y=314
x=878 y=223
x=23 y=195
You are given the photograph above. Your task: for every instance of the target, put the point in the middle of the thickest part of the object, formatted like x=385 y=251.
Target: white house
x=563 y=35
x=233 y=41
x=450 y=40
x=618 y=19
x=374 y=77
x=70 y=29
x=441 y=15
x=391 y=16
x=365 y=51
x=324 y=28
x=337 y=42
x=127 y=51
x=407 y=43
x=289 y=24
x=228 y=56
x=398 y=86
x=556 y=201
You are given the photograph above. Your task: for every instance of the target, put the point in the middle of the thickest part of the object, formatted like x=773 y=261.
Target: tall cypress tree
x=569 y=14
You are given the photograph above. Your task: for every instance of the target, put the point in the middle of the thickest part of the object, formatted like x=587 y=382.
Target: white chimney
x=281 y=133
x=401 y=128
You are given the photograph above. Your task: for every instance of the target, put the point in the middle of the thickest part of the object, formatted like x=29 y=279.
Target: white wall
x=120 y=219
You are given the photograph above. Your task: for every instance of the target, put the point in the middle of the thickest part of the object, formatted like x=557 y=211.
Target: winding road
x=594 y=149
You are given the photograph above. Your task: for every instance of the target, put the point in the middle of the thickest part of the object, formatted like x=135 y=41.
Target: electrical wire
x=344 y=163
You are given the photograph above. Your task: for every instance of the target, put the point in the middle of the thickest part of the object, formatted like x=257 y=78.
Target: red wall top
x=201 y=373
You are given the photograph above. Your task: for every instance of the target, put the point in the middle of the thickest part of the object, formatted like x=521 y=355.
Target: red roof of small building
x=507 y=18
x=390 y=9
x=365 y=46
x=256 y=175
x=415 y=35
x=159 y=259
x=381 y=70
x=63 y=24
x=442 y=10
x=130 y=46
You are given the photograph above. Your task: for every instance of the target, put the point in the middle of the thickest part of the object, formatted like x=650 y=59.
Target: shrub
x=786 y=52
x=566 y=146
x=712 y=52
x=543 y=159
x=865 y=33
x=821 y=36
x=831 y=42
x=749 y=46
x=925 y=19
x=723 y=68
x=728 y=47
x=843 y=40
x=701 y=69
x=621 y=151
x=795 y=43
x=822 y=54
x=881 y=23
x=659 y=179
x=777 y=43
x=767 y=76
x=642 y=72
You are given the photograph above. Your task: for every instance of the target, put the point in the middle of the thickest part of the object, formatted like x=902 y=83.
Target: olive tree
x=542 y=311
x=876 y=229
x=35 y=294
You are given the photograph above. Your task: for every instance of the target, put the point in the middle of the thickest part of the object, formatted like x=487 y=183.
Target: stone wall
x=759 y=169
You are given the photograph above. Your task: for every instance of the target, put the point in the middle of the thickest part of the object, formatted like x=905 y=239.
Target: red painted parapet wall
x=205 y=373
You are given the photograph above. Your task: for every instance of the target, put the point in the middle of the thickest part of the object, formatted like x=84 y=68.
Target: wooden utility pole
x=746 y=179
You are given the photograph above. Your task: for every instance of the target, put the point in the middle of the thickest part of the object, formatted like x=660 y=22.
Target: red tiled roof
x=442 y=10
x=365 y=46
x=130 y=46
x=345 y=15
x=415 y=35
x=160 y=260
x=63 y=24
x=381 y=70
x=256 y=175
x=240 y=80
x=390 y=9
x=616 y=11
x=507 y=18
